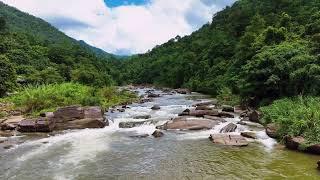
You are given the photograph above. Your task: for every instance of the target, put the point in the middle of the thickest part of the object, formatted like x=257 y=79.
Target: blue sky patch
x=116 y=3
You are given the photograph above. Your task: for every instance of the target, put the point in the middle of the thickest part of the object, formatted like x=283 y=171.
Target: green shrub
x=36 y=99
x=7 y=76
x=226 y=97
x=299 y=116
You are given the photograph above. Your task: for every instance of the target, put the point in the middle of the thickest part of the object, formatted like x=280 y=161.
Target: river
x=110 y=153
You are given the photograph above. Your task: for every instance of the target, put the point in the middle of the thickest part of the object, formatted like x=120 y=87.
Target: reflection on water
x=111 y=153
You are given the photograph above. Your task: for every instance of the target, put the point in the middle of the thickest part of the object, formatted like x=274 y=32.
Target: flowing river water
x=111 y=153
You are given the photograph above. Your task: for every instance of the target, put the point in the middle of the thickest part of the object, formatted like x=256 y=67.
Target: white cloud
x=127 y=28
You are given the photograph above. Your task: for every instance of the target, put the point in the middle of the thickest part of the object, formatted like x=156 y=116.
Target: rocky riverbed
x=168 y=134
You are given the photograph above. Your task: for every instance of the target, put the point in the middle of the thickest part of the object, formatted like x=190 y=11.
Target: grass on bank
x=33 y=100
x=298 y=116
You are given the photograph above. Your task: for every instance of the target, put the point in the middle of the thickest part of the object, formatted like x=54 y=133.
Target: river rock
x=145 y=100
x=156 y=107
x=271 y=130
x=206 y=103
x=229 y=140
x=41 y=124
x=189 y=124
x=229 y=128
x=77 y=117
x=249 y=123
x=143 y=117
x=152 y=95
x=183 y=91
x=157 y=134
x=7 y=126
x=199 y=113
x=69 y=113
x=215 y=118
x=298 y=143
x=225 y=115
x=133 y=124
x=254 y=116
x=227 y=108
x=204 y=108
x=249 y=134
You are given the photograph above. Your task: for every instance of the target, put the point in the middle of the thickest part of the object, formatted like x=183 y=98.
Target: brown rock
x=189 y=124
x=249 y=134
x=254 y=116
x=298 y=143
x=225 y=115
x=69 y=113
x=227 y=108
x=183 y=91
x=271 y=130
x=75 y=117
x=229 y=128
x=215 y=118
x=7 y=126
x=203 y=108
x=229 y=140
x=157 y=134
x=202 y=113
x=206 y=103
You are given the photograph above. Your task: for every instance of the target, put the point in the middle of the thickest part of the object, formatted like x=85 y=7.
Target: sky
x=123 y=27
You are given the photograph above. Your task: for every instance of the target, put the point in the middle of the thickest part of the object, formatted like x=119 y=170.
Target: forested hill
x=257 y=48
x=34 y=52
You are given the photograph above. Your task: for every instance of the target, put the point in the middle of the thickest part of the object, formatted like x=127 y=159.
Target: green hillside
x=37 y=53
x=258 y=49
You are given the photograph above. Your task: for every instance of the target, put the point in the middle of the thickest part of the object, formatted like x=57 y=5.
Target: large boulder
x=7 y=126
x=228 y=140
x=272 y=129
x=299 y=143
x=157 y=134
x=77 y=117
x=254 y=116
x=189 y=124
x=69 y=113
x=41 y=124
x=183 y=91
x=227 y=108
x=156 y=107
x=229 y=128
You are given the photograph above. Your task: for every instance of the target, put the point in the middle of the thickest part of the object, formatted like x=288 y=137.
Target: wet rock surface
x=229 y=128
x=228 y=140
x=189 y=124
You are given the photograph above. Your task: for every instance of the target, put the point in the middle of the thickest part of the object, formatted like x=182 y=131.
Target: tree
x=2 y=23
x=7 y=76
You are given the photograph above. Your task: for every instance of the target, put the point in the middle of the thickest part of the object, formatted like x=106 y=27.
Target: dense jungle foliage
x=32 y=52
x=259 y=49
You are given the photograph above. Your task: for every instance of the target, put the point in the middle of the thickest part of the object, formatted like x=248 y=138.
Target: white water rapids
x=110 y=153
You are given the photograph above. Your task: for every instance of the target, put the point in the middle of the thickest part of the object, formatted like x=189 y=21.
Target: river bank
x=114 y=152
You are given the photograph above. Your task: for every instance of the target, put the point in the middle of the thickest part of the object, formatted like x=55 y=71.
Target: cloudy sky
x=123 y=26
